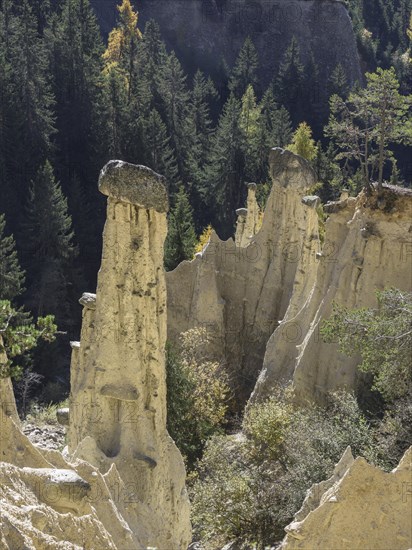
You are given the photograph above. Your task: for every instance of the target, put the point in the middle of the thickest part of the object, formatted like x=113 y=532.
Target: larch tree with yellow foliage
x=302 y=142
x=204 y=239
x=122 y=44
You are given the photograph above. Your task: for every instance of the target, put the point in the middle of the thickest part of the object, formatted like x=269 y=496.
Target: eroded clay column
x=118 y=400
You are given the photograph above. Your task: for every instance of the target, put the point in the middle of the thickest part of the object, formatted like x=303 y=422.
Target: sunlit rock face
x=359 y=507
x=203 y=33
x=248 y=219
x=240 y=293
x=121 y=482
x=118 y=390
x=264 y=297
x=367 y=248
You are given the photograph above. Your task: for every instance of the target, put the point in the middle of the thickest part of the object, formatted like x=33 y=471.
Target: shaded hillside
x=208 y=34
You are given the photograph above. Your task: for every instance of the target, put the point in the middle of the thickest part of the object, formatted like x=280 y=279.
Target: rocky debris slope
x=240 y=293
x=121 y=483
x=47 y=436
x=367 y=247
x=360 y=506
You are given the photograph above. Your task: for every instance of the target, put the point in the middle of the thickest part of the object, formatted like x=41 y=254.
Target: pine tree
x=302 y=142
x=244 y=72
x=289 y=84
x=11 y=274
x=49 y=248
x=181 y=238
x=223 y=187
x=365 y=125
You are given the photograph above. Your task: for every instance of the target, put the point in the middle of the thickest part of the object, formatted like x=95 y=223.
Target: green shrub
x=197 y=394
x=382 y=336
x=248 y=487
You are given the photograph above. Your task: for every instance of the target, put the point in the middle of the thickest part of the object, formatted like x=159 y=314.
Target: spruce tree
x=152 y=58
x=175 y=98
x=158 y=153
x=338 y=82
x=244 y=72
x=223 y=186
x=289 y=84
x=250 y=118
x=273 y=129
x=201 y=97
x=328 y=173
x=11 y=274
x=76 y=62
x=181 y=238
x=118 y=114
x=200 y=124
x=49 y=249
x=29 y=119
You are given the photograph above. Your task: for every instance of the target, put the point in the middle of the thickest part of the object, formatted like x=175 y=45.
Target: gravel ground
x=52 y=437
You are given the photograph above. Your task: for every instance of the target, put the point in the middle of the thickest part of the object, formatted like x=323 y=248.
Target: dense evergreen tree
x=338 y=82
x=76 y=50
x=202 y=95
x=27 y=103
x=274 y=129
x=328 y=173
x=289 y=83
x=151 y=59
x=49 y=249
x=158 y=154
x=181 y=238
x=250 y=124
x=224 y=178
x=175 y=98
x=244 y=72
x=11 y=274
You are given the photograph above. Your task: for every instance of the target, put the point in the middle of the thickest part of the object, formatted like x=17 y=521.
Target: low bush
x=197 y=394
x=248 y=487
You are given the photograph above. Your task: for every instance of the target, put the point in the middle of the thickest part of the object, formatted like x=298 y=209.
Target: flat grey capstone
x=88 y=300
x=134 y=184
x=311 y=200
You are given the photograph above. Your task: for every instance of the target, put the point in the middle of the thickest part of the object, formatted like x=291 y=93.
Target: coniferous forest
x=71 y=99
